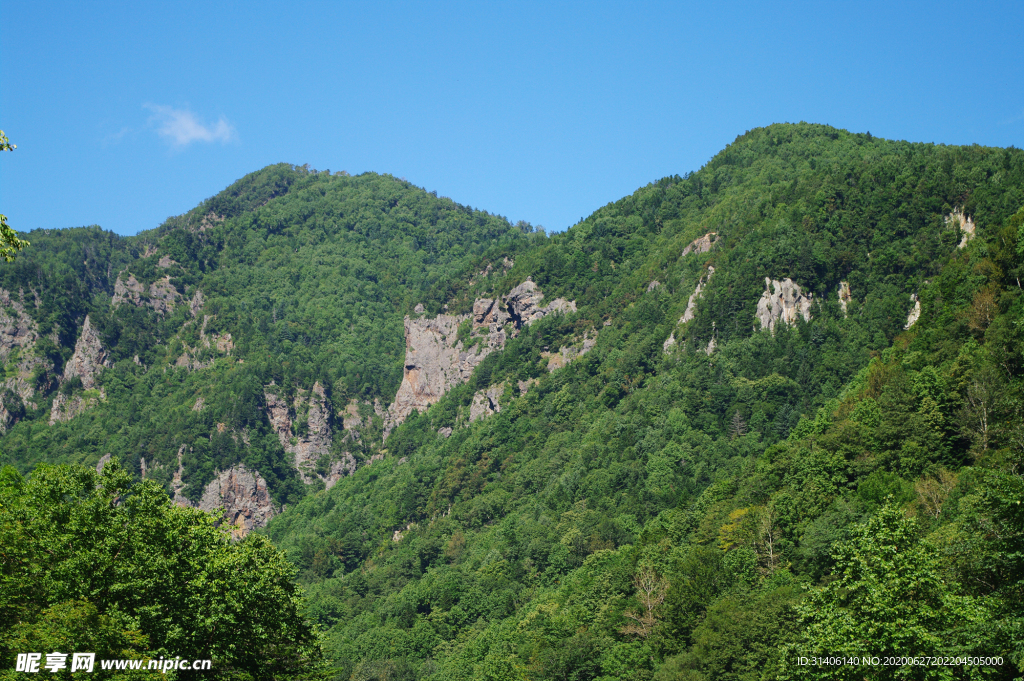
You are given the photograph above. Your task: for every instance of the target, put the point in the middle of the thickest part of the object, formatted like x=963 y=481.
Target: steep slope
x=257 y=330
x=613 y=518
x=625 y=451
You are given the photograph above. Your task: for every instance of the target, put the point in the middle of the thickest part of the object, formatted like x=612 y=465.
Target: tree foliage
x=95 y=563
x=10 y=244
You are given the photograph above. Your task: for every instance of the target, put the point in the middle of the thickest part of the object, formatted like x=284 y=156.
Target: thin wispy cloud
x=116 y=137
x=181 y=127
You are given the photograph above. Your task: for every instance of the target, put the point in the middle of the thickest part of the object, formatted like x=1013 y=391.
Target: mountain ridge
x=694 y=406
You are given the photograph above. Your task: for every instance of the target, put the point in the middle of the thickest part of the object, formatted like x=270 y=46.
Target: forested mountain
x=769 y=409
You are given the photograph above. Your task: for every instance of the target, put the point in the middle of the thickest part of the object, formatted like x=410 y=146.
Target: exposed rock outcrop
x=351 y=420
x=341 y=468
x=102 y=462
x=128 y=290
x=160 y=295
x=524 y=386
x=701 y=245
x=317 y=441
x=195 y=305
x=485 y=402
x=844 y=295
x=89 y=357
x=66 y=408
x=18 y=331
x=782 y=301
x=965 y=223
x=523 y=304
x=915 y=312
x=18 y=336
x=243 y=495
x=691 y=304
x=223 y=343
x=311 y=406
x=88 y=360
x=434 y=361
x=437 y=359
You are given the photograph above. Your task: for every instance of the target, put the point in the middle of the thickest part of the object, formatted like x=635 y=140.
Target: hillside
x=767 y=409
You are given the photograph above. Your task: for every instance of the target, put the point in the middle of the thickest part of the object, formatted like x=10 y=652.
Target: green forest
x=716 y=489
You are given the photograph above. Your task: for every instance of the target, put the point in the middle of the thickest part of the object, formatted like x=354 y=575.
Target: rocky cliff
x=310 y=408
x=18 y=331
x=65 y=407
x=89 y=357
x=844 y=295
x=436 y=358
x=957 y=220
x=701 y=245
x=18 y=336
x=782 y=301
x=485 y=402
x=434 y=361
x=88 y=360
x=915 y=312
x=569 y=353
x=691 y=304
x=243 y=495
x=523 y=304
x=691 y=308
x=160 y=295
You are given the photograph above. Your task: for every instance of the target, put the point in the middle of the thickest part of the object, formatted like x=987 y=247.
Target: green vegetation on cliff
x=823 y=458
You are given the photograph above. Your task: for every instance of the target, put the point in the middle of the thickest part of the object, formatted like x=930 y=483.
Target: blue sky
x=127 y=113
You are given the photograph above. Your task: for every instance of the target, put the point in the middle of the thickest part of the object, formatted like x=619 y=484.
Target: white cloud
x=180 y=127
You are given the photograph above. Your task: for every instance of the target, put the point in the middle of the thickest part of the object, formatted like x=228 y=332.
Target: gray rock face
x=128 y=290
x=485 y=402
x=964 y=222
x=160 y=295
x=436 y=360
x=341 y=468
x=351 y=420
x=316 y=442
x=490 y=319
x=65 y=408
x=691 y=304
x=844 y=295
x=524 y=386
x=18 y=331
x=915 y=312
x=190 y=358
x=18 y=336
x=523 y=304
x=701 y=245
x=244 y=496
x=89 y=357
x=195 y=305
x=782 y=301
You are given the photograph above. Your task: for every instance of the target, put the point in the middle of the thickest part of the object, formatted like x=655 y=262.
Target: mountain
x=766 y=410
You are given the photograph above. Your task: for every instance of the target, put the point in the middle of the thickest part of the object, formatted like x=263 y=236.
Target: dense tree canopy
x=704 y=499
x=95 y=563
